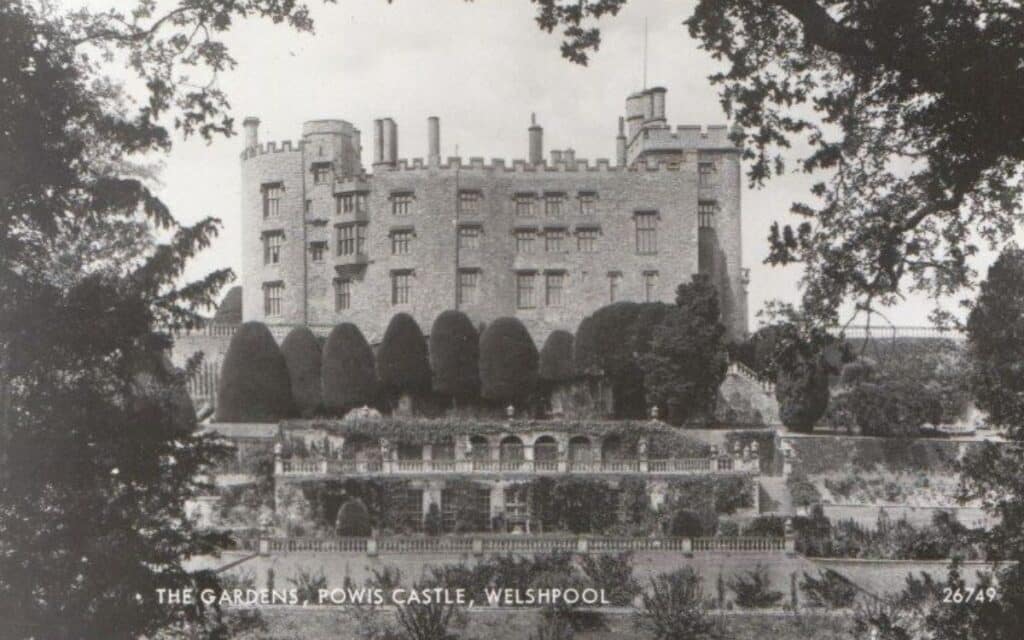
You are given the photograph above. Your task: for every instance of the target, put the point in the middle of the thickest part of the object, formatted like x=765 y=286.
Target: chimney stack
x=536 y=141
x=252 y=132
x=556 y=156
x=620 y=144
x=433 y=140
x=569 y=156
x=390 y=142
x=378 y=141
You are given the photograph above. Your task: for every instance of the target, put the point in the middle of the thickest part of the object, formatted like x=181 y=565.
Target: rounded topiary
x=254 y=384
x=347 y=372
x=556 y=359
x=686 y=524
x=302 y=354
x=508 y=361
x=229 y=311
x=601 y=346
x=803 y=396
x=353 y=520
x=455 y=355
x=402 y=358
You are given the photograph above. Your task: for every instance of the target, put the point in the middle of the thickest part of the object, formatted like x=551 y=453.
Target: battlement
x=685 y=136
x=495 y=165
x=286 y=146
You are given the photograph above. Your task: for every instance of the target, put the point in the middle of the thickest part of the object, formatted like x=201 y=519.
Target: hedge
x=254 y=384
x=348 y=374
x=302 y=354
x=454 y=355
x=829 y=455
x=556 y=363
x=508 y=361
x=402 y=365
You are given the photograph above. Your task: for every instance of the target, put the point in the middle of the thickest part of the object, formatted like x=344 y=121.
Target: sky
x=482 y=68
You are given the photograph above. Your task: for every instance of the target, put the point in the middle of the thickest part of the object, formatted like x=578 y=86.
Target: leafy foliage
x=454 y=355
x=893 y=408
x=349 y=379
x=508 y=361
x=688 y=358
x=673 y=607
x=402 y=357
x=753 y=589
x=301 y=351
x=254 y=384
x=829 y=589
x=613 y=574
x=556 y=364
x=229 y=311
x=687 y=524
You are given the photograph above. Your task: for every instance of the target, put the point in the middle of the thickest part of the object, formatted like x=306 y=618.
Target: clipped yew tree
x=803 y=394
x=455 y=355
x=229 y=311
x=302 y=354
x=254 y=384
x=508 y=361
x=402 y=358
x=347 y=373
x=556 y=358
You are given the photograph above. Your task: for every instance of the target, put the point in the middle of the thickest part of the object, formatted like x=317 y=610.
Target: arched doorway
x=581 y=452
x=510 y=453
x=545 y=452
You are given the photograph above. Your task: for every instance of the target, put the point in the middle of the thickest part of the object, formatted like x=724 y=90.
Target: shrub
x=229 y=311
x=348 y=374
x=857 y=372
x=829 y=589
x=753 y=589
x=802 y=392
x=508 y=361
x=402 y=358
x=576 y=504
x=614 y=574
x=766 y=526
x=802 y=490
x=893 y=408
x=308 y=585
x=686 y=524
x=302 y=354
x=454 y=355
x=673 y=608
x=556 y=363
x=353 y=520
x=602 y=348
x=254 y=385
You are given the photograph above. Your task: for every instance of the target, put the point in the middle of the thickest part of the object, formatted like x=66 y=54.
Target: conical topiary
x=254 y=384
x=455 y=355
x=348 y=377
x=508 y=361
x=302 y=354
x=402 y=365
x=556 y=359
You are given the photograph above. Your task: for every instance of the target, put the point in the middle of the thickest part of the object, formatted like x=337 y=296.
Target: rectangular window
x=466 y=291
x=317 y=251
x=706 y=173
x=650 y=286
x=524 y=240
x=524 y=290
x=351 y=203
x=272 y=294
x=400 y=284
x=400 y=241
x=586 y=239
x=706 y=214
x=646 y=232
x=614 y=281
x=554 y=204
x=588 y=203
x=321 y=172
x=469 y=237
x=553 y=284
x=272 y=241
x=409 y=509
x=272 y=193
x=553 y=240
x=526 y=204
x=307 y=206
x=401 y=203
x=342 y=295
x=470 y=202
x=351 y=238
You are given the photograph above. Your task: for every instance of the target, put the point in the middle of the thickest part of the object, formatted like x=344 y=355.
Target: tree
x=508 y=361
x=454 y=355
x=603 y=349
x=688 y=356
x=301 y=351
x=349 y=377
x=97 y=458
x=402 y=358
x=908 y=110
x=673 y=608
x=353 y=520
x=229 y=311
x=556 y=363
x=803 y=393
x=254 y=384
x=686 y=524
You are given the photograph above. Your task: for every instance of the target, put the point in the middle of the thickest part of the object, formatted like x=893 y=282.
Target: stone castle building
x=547 y=240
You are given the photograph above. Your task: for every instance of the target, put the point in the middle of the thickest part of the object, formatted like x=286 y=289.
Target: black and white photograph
x=511 y=320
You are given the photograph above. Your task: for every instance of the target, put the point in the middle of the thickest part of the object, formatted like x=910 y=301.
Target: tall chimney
x=620 y=144
x=390 y=142
x=536 y=141
x=433 y=140
x=252 y=131
x=378 y=141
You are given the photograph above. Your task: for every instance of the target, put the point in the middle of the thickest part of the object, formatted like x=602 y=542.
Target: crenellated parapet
x=286 y=146
x=499 y=165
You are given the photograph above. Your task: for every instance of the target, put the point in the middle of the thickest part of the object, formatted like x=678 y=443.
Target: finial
x=510 y=411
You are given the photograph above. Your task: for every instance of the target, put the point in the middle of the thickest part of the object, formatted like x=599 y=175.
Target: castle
x=545 y=240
